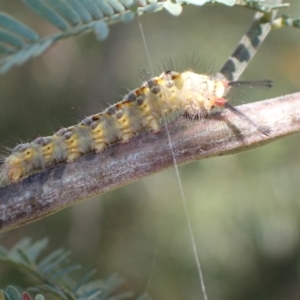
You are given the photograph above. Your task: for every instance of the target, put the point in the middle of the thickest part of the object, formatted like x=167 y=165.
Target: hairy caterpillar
x=144 y=108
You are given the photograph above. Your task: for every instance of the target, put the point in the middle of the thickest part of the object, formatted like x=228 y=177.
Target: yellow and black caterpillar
x=144 y=108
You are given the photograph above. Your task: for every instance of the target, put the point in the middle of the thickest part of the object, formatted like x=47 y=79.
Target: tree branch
x=51 y=190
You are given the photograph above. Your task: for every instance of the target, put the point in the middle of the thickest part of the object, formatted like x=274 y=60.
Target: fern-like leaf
x=18 y=42
x=51 y=275
x=11 y=293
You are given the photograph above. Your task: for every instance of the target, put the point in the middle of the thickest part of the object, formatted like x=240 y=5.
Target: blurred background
x=244 y=208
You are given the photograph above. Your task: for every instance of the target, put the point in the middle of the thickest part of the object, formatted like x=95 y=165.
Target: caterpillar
x=21 y=207
x=157 y=101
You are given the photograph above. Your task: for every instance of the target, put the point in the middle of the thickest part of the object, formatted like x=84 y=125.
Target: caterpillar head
x=202 y=93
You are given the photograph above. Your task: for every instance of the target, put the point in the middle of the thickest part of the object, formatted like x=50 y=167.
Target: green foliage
x=11 y=293
x=18 y=42
x=51 y=275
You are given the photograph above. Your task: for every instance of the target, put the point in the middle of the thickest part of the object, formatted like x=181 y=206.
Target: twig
x=51 y=190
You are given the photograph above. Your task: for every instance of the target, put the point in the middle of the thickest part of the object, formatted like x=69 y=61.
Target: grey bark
x=51 y=190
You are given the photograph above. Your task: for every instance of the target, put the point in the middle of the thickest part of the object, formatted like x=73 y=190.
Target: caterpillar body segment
x=77 y=140
x=104 y=131
x=144 y=108
x=53 y=148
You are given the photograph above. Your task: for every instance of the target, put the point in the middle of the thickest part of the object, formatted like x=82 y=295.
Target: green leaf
x=127 y=16
x=227 y=2
x=92 y=294
x=54 y=280
x=41 y=8
x=92 y=8
x=153 y=7
x=24 y=258
x=48 y=259
x=34 y=251
x=49 y=289
x=13 y=25
x=116 y=5
x=83 y=280
x=22 y=244
x=65 y=271
x=85 y=16
x=104 y=7
x=24 y=54
x=101 y=30
x=11 y=39
x=74 y=17
x=66 y=11
x=13 y=293
x=127 y=3
x=174 y=9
